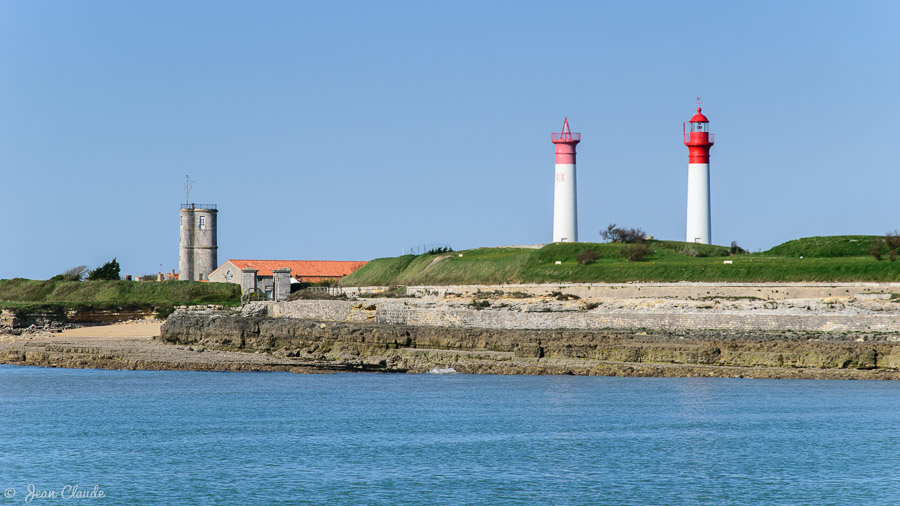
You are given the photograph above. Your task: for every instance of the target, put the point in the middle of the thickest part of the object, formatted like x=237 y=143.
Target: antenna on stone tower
x=188 y=184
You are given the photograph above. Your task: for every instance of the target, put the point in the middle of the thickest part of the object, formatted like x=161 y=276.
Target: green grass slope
x=836 y=246
x=669 y=261
x=24 y=294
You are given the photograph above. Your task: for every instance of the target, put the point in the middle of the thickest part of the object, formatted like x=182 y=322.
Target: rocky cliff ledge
x=360 y=345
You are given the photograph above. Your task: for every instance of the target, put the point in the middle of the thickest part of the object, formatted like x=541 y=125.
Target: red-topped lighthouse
x=698 y=140
x=565 y=204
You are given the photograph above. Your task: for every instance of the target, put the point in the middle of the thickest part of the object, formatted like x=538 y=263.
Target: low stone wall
x=672 y=321
x=684 y=290
x=411 y=312
x=327 y=310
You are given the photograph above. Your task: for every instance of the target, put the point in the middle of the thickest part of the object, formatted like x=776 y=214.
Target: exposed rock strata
x=398 y=348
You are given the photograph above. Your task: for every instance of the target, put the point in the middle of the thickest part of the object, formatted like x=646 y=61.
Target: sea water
x=173 y=437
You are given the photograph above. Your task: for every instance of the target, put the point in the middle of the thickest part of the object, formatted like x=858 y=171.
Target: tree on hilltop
x=626 y=235
x=108 y=271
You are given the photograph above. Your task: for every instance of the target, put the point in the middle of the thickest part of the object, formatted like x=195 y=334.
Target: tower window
x=202 y=222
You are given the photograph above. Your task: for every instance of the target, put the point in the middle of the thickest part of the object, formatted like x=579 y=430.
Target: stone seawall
x=683 y=290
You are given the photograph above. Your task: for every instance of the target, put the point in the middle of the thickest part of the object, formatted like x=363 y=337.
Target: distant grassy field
x=27 y=294
x=836 y=258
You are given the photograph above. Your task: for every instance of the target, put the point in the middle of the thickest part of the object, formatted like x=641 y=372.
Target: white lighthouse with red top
x=565 y=206
x=698 y=140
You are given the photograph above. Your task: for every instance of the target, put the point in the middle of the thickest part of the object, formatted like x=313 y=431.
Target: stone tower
x=198 y=247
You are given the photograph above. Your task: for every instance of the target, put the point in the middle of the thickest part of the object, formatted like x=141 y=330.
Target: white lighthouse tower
x=565 y=205
x=698 y=140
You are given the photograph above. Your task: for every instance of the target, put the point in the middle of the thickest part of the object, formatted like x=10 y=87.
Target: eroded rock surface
x=399 y=348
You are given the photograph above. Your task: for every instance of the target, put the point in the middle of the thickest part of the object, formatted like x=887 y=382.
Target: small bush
x=391 y=293
x=591 y=305
x=163 y=311
x=692 y=250
x=892 y=240
x=587 y=256
x=257 y=296
x=73 y=274
x=564 y=296
x=636 y=252
x=316 y=295
x=735 y=249
x=478 y=305
x=438 y=251
x=875 y=249
x=520 y=295
x=614 y=233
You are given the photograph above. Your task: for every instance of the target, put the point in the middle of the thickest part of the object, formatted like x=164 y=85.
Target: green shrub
x=439 y=250
x=636 y=252
x=875 y=249
x=892 y=240
x=391 y=293
x=735 y=249
x=107 y=272
x=587 y=256
x=564 y=296
x=315 y=295
x=478 y=305
x=76 y=273
x=692 y=250
x=622 y=234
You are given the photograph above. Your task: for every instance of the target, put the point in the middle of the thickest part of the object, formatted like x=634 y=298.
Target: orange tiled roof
x=301 y=268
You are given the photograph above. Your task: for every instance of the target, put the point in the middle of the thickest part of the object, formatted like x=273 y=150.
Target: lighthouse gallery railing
x=687 y=138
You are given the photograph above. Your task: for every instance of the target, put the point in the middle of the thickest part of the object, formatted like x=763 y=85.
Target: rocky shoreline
x=613 y=352
x=856 y=336
x=134 y=346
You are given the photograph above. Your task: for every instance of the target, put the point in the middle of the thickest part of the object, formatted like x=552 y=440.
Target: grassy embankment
x=835 y=258
x=28 y=296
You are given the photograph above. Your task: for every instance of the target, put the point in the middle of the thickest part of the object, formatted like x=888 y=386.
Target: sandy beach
x=131 y=345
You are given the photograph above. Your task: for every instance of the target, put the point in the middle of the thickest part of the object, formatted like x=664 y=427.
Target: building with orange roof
x=310 y=271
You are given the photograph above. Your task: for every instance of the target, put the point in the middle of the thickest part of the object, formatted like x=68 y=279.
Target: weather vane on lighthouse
x=188 y=184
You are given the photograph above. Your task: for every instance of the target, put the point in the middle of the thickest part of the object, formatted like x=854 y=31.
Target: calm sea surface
x=192 y=437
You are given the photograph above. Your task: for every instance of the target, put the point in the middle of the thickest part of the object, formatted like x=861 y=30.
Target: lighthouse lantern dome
x=699 y=122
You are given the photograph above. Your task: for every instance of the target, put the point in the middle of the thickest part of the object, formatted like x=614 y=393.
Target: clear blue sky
x=350 y=130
